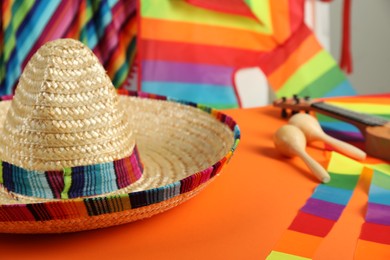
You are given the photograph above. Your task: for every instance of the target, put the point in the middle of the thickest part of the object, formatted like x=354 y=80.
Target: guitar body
x=375 y=130
x=377 y=141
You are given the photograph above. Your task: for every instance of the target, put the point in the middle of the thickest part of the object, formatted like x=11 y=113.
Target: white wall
x=370 y=37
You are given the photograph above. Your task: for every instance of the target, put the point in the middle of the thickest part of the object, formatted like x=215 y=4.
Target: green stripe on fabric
x=275 y=255
x=307 y=74
x=381 y=179
x=367 y=108
x=318 y=88
x=343 y=181
x=324 y=118
x=67 y=182
x=1 y=172
x=123 y=72
x=19 y=11
x=184 y=12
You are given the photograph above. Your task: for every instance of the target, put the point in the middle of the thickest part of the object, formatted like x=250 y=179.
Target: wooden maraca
x=290 y=141
x=313 y=132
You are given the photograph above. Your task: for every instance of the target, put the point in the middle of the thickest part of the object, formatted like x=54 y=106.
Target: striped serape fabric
x=187 y=50
x=191 y=50
x=108 y=27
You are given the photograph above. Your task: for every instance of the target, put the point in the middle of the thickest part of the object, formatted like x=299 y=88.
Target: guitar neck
x=360 y=120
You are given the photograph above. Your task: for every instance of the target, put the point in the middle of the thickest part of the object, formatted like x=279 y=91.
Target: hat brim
x=182 y=146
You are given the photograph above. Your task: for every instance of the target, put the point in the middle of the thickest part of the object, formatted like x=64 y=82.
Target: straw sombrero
x=75 y=155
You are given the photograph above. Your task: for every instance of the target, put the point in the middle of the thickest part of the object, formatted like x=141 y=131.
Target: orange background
x=241 y=215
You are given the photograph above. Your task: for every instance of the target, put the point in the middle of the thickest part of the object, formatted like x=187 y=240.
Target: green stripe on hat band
x=73 y=182
x=67 y=183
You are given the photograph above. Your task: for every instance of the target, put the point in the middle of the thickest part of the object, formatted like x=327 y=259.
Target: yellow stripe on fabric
x=340 y=164
x=262 y=10
x=307 y=73
x=275 y=255
x=384 y=168
x=165 y=30
x=363 y=107
x=67 y=183
x=178 y=10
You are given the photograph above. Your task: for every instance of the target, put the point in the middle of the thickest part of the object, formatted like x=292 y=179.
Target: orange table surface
x=240 y=215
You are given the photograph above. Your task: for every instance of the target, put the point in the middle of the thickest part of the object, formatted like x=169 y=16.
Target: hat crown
x=65 y=112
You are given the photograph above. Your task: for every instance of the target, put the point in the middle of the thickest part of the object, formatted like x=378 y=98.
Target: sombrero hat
x=75 y=155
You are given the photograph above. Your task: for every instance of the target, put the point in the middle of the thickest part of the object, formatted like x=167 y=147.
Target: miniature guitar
x=375 y=130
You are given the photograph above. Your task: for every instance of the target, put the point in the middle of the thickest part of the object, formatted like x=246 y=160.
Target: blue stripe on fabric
x=198 y=93
x=96 y=26
x=104 y=17
x=108 y=171
x=343 y=89
x=379 y=195
x=331 y=194
x=78 y=182
x=26 y=36
x=41 y=185
x=111 y=3
x=37 y=22
x=95 y=179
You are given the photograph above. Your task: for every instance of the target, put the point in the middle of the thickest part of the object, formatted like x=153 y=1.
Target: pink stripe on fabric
x=186 y=72
x=378 y=214
x=56 y=27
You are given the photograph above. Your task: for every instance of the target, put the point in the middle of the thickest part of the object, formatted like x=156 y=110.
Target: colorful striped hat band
x=75 y=155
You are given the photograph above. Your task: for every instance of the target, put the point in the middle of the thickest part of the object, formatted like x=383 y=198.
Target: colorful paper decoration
x=317 y=217
x=374 y=240
x=108 y=27
x=321 y=211
x=191 y=49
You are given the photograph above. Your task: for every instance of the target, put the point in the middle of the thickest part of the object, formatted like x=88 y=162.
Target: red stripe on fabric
x=270 y=61
x=58 y=211
x=235 y=7
x=375 y=233
x=15 y=213
x=119 y=167
x=125 y=37
x=40 y=211
x=310 y=224
x=346 y=57
x=65 y=9
x=5 y=5
x=197 y=53
x=111 y=37
x=296 y=13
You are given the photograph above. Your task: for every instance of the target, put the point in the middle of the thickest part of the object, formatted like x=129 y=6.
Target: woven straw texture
x=66 y=113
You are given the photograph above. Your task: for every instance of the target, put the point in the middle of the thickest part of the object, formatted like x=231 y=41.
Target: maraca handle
x=314 y=167
x=345 y=148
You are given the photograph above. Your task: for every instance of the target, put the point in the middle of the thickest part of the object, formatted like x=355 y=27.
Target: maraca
x=291 y=141
x=313 y=132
